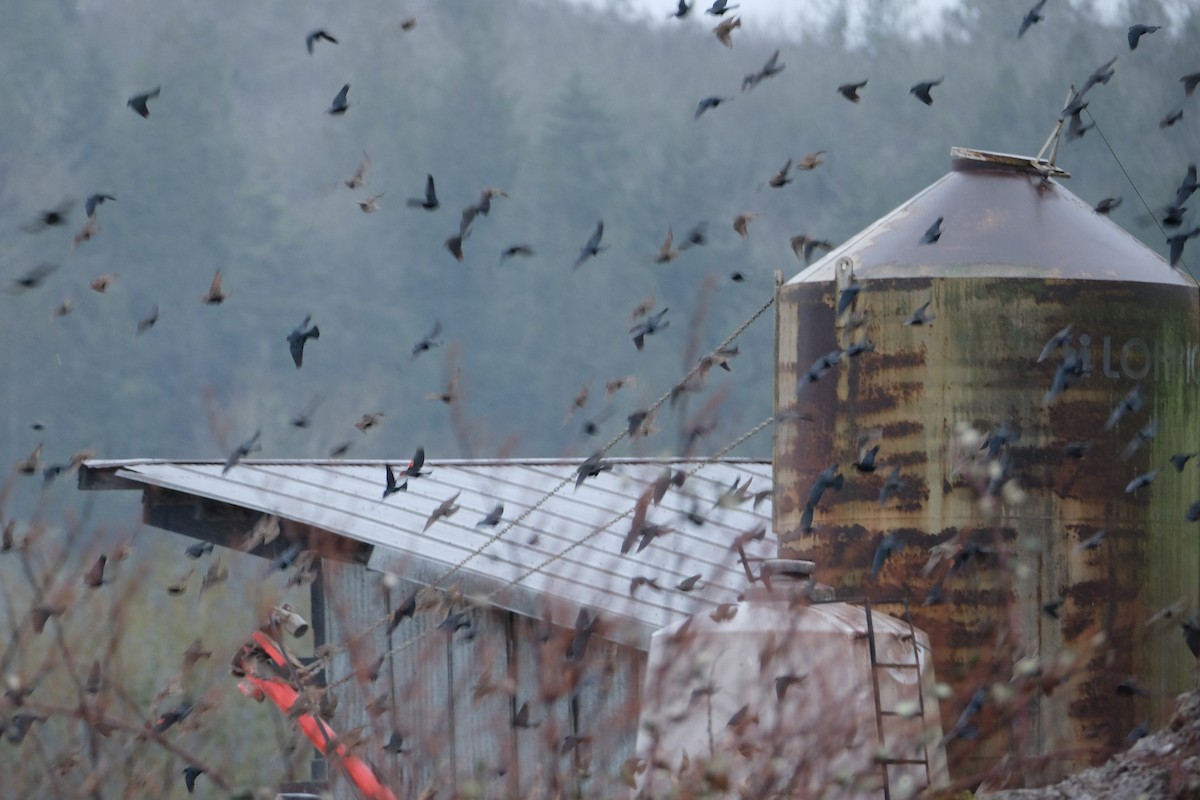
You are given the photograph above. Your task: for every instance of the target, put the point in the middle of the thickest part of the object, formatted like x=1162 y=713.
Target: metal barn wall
x=454 y=696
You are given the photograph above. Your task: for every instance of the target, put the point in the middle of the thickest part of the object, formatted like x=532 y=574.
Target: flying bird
x=850 y=90
x=454 y=245
x=1075 y=127
x=101 y=283
x=1107 y=204
x=371 y=204
x=724 y=30
x=445 y=510
x=828 y=478
x=429 y=341
x=1186 y=188
x=241 y=451
x=1103 y=74
x=1136 y=32
x=492 y=518
x=215 y=296
x=94 y=200
x=50 y=218
x=591 y=467
x=666 y=252
x=921 y=90
x=318 y=35
x=1032 y=17
x=301 y=334
x=430 y=201
x=652 y=324
x=1177 y=242
x=413 y=470
x=190 y=773
x=523 y=250
x=921 y=316
x=147 y=322
x=891 y=485
x=1144 y=479
x=719 y=7
x=689 y=583
x=771 y=68
x=33 y=278
x=780 y=178
x=390 y=484
x=890 y=545
x=593 y=247
x=369 y=420
x=804 y=246
x=339 y=104
x=359 y=178
x=846 y=296
x=1173 y=116
x=741 y=221
x=933 y=233
x=139 y=101
x=810 y=161
x=1189 y=82
x=709 y=102
x=1056 y=341
x=681 y=10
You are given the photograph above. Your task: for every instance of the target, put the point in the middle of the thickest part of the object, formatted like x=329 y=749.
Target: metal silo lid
x=1003 y=216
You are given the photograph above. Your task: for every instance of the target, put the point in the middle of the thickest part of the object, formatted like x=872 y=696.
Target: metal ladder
x=887 y=759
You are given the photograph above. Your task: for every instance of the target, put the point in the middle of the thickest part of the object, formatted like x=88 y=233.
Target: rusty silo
x=1018 y=260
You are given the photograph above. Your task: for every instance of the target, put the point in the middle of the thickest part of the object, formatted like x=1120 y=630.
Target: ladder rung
x=896 y=666
x=902 y=761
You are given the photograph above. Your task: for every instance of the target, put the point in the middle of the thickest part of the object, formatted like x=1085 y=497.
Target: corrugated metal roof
x=344 y=498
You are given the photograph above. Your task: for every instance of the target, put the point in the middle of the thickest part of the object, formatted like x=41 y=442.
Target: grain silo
x=1012 y=522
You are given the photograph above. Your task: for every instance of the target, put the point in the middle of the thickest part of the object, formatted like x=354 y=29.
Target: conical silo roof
x=1003 y=216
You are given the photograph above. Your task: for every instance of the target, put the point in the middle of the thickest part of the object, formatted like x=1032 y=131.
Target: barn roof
x=565 y=554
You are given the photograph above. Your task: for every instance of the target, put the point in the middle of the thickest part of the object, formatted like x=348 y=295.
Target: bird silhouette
x=214 y=296
x=933 y=233
x=804 y=246
x=1172 y=116
x=709 y=102
x=1186 y=188
x=241 y=451
x=430 y=201
x=1189 y=82
x=810 y=161
x=1107 y=204
x=445 y=510
x=742 y=221
x=369 y=420
x=780 y=178
x=454 y=245
x=93 y=201
x=139 y=101
x=891 y=485
x=32 y=279
x=339 y=104
x=301 y=334
x=429 y=341
x=1056 y=341
x=592 y=466
x=1136 y=32
x=359 y=178
x=890 y=545
x=921 y=90
x=921 y=316
x=413 y=470
x=492 y=518
x=1033 y=17
x=523 y=250
x=666 y=252
x=1075 y=127
x=719 y=7
x=371 y=204
x=724 y=30
x=681 y=10
x=50 y=218
x=593 y=246
x=318 y=35
x=190 y=773
x=652 y=324
x=147 y=322
x=102 y=283
x=771 y=68
x=1177 y=242
x=850 y=90
x=390 y=484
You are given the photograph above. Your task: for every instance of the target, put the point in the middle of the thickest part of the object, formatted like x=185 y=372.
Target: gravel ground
x=1164 y=764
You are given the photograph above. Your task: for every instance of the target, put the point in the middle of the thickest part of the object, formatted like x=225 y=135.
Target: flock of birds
x=647 y=322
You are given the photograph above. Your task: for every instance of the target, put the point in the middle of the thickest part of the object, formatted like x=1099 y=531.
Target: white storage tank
x=783 y=695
